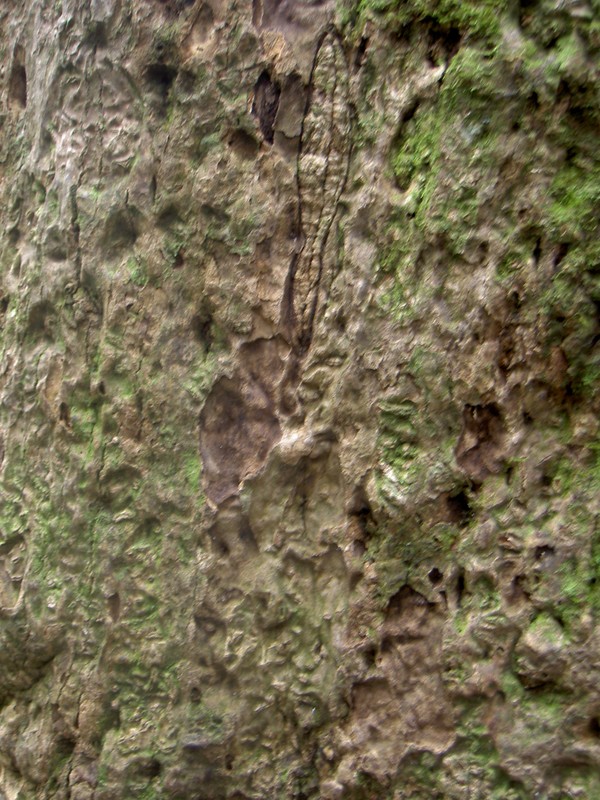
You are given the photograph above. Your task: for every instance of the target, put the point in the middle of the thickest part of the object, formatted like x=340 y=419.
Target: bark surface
x=299 y=362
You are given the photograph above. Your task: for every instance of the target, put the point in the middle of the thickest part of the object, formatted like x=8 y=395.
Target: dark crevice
x=246 y=535
x=178 y=261
x=202 y=329
x=594 y=727
x=571 y=154
x=17 y=86
x=266 y=104
x=243 y=144
x=114 y=606
x=435 y=576
x=360 y=510
x=195 y=695
x=533 y=101
x=526 y=8
x=369 y=655
x=459 y=508
x=64 y=414
x=175 y=7
x=442 y=43
x=151 y=768
x=547 y=479
x=361 y=52
x=515 y=300
x=160 y=78
x=536 y=688
x=460 y=587
x=559 y=255
x=517 y=589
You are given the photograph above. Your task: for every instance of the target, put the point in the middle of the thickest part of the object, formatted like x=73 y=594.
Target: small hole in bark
x=222 y=548
x=202 y=328
x=459 y=508
x=178 y=260
x=537 y=251
x=442 y=43
x=17 y=89
x=543 y=550
x=152 y=768
x=114 y=606
x=559 y=255
x=539 y=687
x=96 y=35
x=571 y=154
x=435 y=576
x=169 y=217
x=176 y=6
x=160 y=78
x=460 y=587
x=64 y=414
x=360 y=510
x=370 y=655
x=359 y=547
x=547 y=479
x=266 y=105
x=195 y=695
x=361 y=52
x=594 y=727
x=527 y=418
x=243 y=144
x=517 y=590
x=120 y=230
x=247 y=535
x=533 y=101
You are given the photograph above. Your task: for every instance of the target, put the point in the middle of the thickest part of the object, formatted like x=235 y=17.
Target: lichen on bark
x=299 y=400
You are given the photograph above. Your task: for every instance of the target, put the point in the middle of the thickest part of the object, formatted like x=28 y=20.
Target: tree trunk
x=299 y=360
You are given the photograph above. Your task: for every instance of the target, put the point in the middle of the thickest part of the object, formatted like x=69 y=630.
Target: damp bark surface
x=299 y=362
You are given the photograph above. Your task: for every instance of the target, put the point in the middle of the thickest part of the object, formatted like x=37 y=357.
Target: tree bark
x=299 y=483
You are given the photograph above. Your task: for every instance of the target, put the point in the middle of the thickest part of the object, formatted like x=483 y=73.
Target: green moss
x=575 y=191
x=578 y=592
x=173 y=245
x=138 y=271
x=192 y=469
x=478 y=19
x=545 y=627
x=418 y=153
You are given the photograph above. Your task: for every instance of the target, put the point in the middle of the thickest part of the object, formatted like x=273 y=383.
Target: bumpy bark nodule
x=299 y=455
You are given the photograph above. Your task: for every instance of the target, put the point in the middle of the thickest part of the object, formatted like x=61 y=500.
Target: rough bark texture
x=300 y=478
